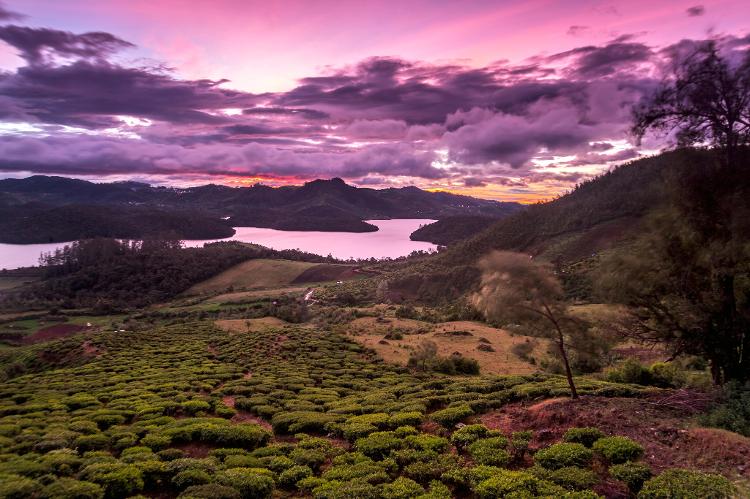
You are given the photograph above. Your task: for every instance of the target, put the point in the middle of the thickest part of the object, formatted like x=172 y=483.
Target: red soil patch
x=659 y=422
x=243 y=416
x=247 y=375
x=55 y=332
x=246 y=417
x=195 y=449
x=91 y=350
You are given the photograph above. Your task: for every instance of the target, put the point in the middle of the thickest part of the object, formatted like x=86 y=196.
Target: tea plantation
x=193 y=411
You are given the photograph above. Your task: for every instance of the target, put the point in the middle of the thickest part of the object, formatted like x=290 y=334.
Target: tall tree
x=516 y=290
x=704 y=100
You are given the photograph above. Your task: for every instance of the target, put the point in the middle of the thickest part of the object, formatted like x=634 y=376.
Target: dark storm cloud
x=90 y=94
x=595 y=62
x=9 y=15
x=696 y=11
x=35 y=45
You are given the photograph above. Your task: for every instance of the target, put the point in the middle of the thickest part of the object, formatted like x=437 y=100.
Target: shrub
x=634 y=475
x=346 y=490
x=308 y=457
x=470 y=433
x=573 y=478
x=409 y=418
x=490 y=451
x=617 y=449
x=562 y=455
x=402 y=488
x=425 y=471
x=118 y=480
x=212 y=491
x=734 y=413
x=448 y=417
x=586 y=436
x=508 y=483
x=68 y=488
x=250 y=483
x=95 y=441
x=428 y=442
x=280 y=463
x=302 y=421
x=17 y=487
x=241 y=435
x=289 y=477
x=667 y=375
x=519 y=443
x=189 y=477
x=685 y=484
x=367 y=471
x=629 y=371
x=379 y=444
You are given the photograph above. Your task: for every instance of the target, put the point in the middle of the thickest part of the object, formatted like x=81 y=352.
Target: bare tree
x=705 y=100
x=517 y=290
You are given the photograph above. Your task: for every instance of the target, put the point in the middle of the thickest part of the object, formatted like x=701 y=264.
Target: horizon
x=512 y=101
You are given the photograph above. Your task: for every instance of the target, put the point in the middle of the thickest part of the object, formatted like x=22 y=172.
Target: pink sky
x=267 y=45
x=461 y=96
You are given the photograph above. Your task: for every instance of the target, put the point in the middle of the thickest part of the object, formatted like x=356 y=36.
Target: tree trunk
x=568 y=372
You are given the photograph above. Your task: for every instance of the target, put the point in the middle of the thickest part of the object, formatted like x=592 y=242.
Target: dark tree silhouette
x=705 y=100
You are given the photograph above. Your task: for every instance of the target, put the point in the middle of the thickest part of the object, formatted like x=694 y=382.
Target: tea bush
x=687 y=484
x=618 y=450
x=563 y=455
x=585 y=436
x=634 y=475
x=490 y=451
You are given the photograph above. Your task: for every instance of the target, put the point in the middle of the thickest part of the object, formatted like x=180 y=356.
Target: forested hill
x=209 y=211
x=596 y=215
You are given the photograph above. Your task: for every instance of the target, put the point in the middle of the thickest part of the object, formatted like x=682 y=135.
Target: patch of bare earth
x=661 y=422
x=489 y=346
x=55 y=332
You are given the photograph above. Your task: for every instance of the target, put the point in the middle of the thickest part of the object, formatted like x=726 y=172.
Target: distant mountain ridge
x=30 y=208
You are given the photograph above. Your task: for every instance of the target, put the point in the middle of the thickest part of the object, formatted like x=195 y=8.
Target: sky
x=508 y=100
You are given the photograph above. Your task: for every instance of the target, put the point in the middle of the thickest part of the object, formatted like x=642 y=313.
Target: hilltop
x=570 y=231
x=52 y=209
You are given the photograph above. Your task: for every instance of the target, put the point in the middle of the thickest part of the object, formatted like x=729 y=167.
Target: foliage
x=449 y=416
x=733 y=413
x=585 y=436
x=490 y=451
x=563 y=455
x=506 y=483
x=516 y=290
x=250 y=482
x=634 y=475
x=618 y=449
x=688 y=485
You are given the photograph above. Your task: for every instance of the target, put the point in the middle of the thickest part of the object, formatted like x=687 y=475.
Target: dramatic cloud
x=39 y=45
x=9 y=15
x=75 y=108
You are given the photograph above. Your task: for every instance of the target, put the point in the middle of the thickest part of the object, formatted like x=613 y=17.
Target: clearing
x=464 y=337
x=259 y=273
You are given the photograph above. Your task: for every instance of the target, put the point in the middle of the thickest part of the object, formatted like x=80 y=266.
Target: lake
x=390 y=241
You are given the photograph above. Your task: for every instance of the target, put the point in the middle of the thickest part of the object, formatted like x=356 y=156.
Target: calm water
x=391 y=240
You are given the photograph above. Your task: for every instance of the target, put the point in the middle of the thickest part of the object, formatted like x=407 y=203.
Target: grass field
x=462 y=337
x=252 y=274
